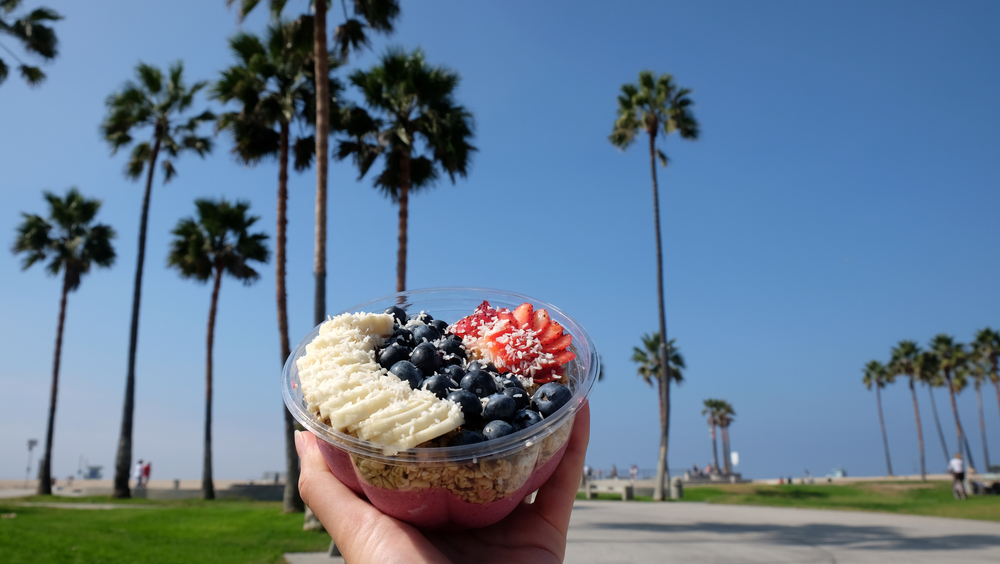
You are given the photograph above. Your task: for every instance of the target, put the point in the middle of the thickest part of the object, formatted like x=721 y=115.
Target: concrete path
x=612 y=532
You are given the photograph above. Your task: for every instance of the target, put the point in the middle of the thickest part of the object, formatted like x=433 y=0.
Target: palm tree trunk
x=937 y=423
x=662 y=470
x=920 y=432
x=45 y=477
x=982 y=427
x=322 y=157
x=881 y=422
x=292 y=500
x=958 y=424
x=727 y=458
x=715 y=453
x=404 y=210
x=207 y=486
x=123 y=461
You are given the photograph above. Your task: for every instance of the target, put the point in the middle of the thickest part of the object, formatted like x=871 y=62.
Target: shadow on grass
x=812 y=534
x=791 y=494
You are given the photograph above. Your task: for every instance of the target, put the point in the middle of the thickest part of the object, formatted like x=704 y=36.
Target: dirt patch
x=894 y=489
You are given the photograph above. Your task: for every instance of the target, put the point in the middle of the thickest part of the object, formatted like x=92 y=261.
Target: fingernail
x=298 y=441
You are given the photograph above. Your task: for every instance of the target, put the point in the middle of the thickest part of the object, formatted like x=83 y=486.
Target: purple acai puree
x=434 y=508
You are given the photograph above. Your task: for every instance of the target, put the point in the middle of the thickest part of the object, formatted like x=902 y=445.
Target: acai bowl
x=453 y=480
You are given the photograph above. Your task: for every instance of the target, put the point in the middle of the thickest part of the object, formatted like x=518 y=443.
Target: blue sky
x=841 y=198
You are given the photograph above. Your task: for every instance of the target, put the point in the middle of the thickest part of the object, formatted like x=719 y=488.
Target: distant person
x=146 y=468
x=695 y=470
x=633 y=472
x=600 y=474
x=956 y=467
x=137 y=473
x=614 y=472
x=709 y=469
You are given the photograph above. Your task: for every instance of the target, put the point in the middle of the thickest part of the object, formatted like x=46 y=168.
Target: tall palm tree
x=655 y=104
x=712 y=407
x=928 y=371
x=876 y=375
x=274 y=85
x=725 y=416
x=953 y=364
x=31 y=31
x=217 y=242
x=369 y=16
x=71 y=243
x=650 y=369
x=155 y=105
x=981 y=369
x=988 y=344
x=418 y=128
x=904 y=360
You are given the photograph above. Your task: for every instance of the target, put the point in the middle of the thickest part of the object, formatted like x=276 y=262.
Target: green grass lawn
x=189 y=531
x=929 y=498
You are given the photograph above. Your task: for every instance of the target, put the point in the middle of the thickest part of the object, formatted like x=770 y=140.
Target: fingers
x=337 y=507
x=554 y=502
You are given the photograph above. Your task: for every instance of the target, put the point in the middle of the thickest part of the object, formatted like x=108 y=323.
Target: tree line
x=946 y=363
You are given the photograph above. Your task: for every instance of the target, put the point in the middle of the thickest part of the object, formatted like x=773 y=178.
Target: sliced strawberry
x=469 y=325
x=551 y=333
x=540 y=322
x=524 y=315
x=559 y=344
x=504 y=313
x=563 y=357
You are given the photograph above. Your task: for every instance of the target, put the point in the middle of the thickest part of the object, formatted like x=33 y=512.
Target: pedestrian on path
x=145 y=473
x=956 y=467
x=137 y=473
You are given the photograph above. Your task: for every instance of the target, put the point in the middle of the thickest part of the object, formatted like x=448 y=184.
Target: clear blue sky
x=843 y=196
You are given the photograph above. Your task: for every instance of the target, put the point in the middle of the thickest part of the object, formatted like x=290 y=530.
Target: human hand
x=531 y=533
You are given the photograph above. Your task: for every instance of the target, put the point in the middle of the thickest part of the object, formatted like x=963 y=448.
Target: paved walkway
x=612 y=532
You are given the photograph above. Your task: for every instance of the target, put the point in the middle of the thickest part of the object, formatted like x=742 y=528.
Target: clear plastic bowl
x=451 y=487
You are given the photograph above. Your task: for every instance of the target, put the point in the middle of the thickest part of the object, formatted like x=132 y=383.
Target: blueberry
x=520 y=397
x=422 y=317
x=524 y=418
x=406 y=371
x=499 y=406
x=479 y=383
x=550 y=397
x=392 y=354
x=452 y=345
x=456 y=372
x=403 y=336
x=425 y=356
x=425 y=333
x=397 y=312
x=466 y=438
x=508 y=380
x=472 y=408
x=473 y=366
x=441 y=326
x=440 y=384
x=497 y=429
x=492 y=369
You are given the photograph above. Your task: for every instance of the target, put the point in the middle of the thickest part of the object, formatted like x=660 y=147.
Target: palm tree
x=877 y=375
x=982 y=369
x=725 y=416
x=73 y=244
x=33 y=35
x=371 y=15
x=650 y=369
x=953 y=364
x=652 y=104
x=928 y=372
x=275 y=87
x=217 y=242
x=420 y=129
x=712 y=407
x=904 y=360
x=154 y=105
